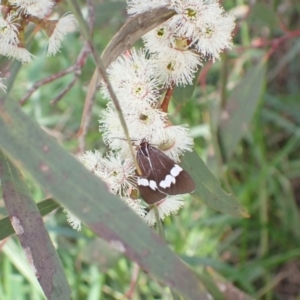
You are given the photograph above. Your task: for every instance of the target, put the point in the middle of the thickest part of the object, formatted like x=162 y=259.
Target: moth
x=161 y=176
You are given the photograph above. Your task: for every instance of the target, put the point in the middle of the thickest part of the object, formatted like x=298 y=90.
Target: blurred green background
x=244 y=115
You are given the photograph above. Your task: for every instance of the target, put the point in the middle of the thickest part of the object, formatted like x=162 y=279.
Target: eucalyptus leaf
x=31 y=232
x=88 y=198
x=240 y=108
x=45 y=207
x=208 y=188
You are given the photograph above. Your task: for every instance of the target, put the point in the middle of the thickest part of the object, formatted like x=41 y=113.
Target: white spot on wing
x=145 y=182
x=142 y=181
x=167 y=182
x=175 y=170
x=153 y=185
x=16 y=224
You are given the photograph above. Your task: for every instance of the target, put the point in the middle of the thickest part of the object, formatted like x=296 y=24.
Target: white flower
x=63 y=26
x=9 y=41
x=8 y=31
x=205 y=23
x=14 y=51
x=39 y=8
x=74 y=222
x=202 y=23
x=92 y=160
x=142 y=122
x=213 y=36
x=110 y=125
x=133 y=80
x=173 y=62
x=176 y=67
x=140 y=6
x=160 y=39
x=166 y=207
x=135 y=205
x=119 y=173
x=188 y=13
x=175 y=141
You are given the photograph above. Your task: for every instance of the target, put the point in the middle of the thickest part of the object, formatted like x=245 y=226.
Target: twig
x=133 y=282
x=75 y=68
x=64 y=91
x=89 y=101
x=165 y=104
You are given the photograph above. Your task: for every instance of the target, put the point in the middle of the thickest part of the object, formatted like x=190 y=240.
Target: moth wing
x=149 y=170
x=156 y=167
x=181 y=184
x=184 y=184
x=150 y=196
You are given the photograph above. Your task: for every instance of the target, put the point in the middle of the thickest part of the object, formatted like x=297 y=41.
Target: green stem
x=160 y=230
x=159 y=225
x=102 y=72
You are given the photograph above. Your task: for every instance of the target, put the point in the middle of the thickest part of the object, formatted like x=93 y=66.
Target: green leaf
x=262 y=15
x=88 y=198
x=45 y=207
x=211 y=287
x=99 y=253
x=241 y=107
x=208 y=188
x=15 y=255
x=108 y=12
x=230 y=272
x=31 y=232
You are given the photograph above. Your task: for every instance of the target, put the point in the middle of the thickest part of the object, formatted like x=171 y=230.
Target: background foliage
x=244 y=115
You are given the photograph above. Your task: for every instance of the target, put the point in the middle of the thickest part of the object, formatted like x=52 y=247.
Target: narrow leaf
x=208 y=188
x=32 y=234
x=44 y=207
x=88 y=198
x=241 y=107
